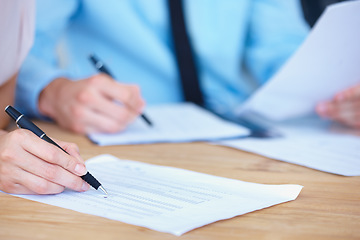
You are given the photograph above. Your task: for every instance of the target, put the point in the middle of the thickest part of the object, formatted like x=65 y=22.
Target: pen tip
x=104 y=191
x=146 y=120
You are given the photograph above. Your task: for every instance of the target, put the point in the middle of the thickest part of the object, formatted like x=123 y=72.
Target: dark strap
x=184 y=55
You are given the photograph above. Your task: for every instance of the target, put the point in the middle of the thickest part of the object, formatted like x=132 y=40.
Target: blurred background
x=313 y=9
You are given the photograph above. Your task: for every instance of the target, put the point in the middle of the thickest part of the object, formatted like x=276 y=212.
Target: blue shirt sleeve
x=40 y=67
x=226 y=35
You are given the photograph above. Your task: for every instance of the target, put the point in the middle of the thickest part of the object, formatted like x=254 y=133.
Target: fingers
x=92 y=121
x=343 y=108
x=50 y=174
x=116 y=112
x=30 y=165
x=91 y=105
x=106 y=106
x=349 y=94
x=70 y=148
x=9 y=179
x=16 y=188
x=13 y=186
x=50 y=153
x=23 y=182
x=344 y=111
x=126 y=94
x=31 y=183
x=13 y=179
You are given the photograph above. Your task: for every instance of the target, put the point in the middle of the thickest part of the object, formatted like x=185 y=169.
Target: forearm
x=41 y=65
x=7 y=93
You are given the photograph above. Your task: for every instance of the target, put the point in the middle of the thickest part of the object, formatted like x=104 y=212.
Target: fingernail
x=80 y=169
x=85 y=186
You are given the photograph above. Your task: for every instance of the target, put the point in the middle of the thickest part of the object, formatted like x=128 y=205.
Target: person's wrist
x=49 y=97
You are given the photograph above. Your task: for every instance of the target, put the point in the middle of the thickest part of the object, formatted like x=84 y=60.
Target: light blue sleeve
x=277 y=28
x=41 y=67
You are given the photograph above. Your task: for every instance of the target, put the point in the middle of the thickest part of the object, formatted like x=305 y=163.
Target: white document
x=166 y=199
x=311 y=142
x=326 y=63
x=183 y=122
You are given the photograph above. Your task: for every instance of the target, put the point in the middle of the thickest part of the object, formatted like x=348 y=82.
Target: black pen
x=99 y=65
x=23 y=122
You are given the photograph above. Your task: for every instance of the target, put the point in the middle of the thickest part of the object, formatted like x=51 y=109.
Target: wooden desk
x=328 y=206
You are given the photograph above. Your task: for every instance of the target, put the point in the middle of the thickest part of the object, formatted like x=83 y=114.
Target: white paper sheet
x=166 y=199
x=311 y=142
x=184 y=122
x=326 y=63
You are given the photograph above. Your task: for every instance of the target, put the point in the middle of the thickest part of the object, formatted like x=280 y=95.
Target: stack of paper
x=184 y=122
x=311 y=142
x=166 y=199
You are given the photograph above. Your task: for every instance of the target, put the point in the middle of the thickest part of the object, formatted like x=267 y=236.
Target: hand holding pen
x=89 y=105
x=100 y=66
x=29 y=165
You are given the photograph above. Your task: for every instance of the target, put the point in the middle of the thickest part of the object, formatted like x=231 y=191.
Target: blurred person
x=236 y=46
x=28 y=164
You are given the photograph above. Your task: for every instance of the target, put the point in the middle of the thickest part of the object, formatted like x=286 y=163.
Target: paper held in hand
x=325 y=64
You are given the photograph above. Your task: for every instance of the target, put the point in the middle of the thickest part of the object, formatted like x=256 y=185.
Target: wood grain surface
x=327 y=208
